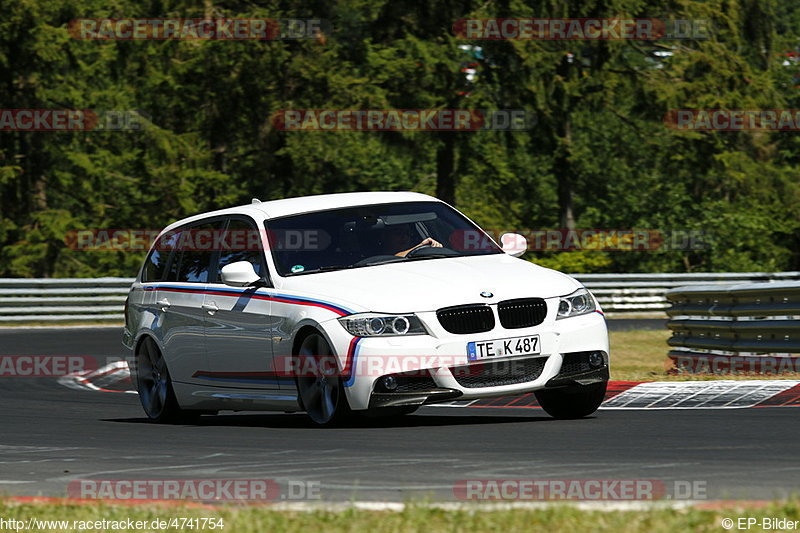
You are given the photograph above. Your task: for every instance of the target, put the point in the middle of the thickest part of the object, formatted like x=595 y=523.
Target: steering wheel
x=415 y=250
x=377 y=259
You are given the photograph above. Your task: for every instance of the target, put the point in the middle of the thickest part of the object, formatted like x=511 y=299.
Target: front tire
x=573 y=402
x=321 y=393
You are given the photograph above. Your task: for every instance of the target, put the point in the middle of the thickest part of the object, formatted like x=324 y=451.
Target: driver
x=399 y=238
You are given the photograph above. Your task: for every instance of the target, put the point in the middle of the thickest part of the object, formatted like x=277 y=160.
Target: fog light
x=389 y=383
x=596 y=359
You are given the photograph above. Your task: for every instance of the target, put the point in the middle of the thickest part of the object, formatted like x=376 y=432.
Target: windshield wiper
x=327 y=268
x=431 y=256
x=397 y=259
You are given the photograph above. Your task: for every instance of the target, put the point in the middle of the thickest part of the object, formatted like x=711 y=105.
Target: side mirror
x=514 y=244
x=239 y=274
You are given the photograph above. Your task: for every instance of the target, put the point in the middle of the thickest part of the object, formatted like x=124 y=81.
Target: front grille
x=463 y=319
x=522 y=312
x=575 y=363
x=498 y=373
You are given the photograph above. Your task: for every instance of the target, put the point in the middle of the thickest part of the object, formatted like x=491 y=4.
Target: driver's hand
x=430 y=242
x=425 y=242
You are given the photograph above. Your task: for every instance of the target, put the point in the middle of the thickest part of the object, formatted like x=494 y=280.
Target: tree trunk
x=563 y=175
x=445 y=169
x=563 y=140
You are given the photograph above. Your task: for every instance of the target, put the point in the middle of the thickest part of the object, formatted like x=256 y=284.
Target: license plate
x=514 y=346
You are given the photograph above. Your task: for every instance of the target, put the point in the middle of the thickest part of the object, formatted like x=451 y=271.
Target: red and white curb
x=114 y=377
x=723 y=394
x=717 y=394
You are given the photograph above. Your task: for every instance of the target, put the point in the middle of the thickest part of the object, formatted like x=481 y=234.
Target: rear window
x=155 y=266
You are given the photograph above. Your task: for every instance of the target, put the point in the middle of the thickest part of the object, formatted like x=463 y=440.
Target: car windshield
x=371 y=235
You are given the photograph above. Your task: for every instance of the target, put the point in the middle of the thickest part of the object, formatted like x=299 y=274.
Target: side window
x=243 y=243
x=155 y=265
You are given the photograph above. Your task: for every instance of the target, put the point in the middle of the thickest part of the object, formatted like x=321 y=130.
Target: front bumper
x=442 y=357
x=398 y=399
x=566 y=378
x=590 y=377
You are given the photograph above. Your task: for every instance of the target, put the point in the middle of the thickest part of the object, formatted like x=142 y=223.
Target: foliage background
x=598 y=157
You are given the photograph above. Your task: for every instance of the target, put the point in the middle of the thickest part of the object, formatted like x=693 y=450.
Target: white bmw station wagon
x=374 y=303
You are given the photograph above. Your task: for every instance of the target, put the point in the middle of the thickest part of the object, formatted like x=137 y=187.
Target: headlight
x=376 y=325
x=578 y=303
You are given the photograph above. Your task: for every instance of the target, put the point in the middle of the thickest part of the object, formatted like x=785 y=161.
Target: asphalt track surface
x=51 y=435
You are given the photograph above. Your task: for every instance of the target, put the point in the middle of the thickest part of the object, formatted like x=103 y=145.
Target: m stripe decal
x=243 y=377
x=352 y=355
x=274 y=297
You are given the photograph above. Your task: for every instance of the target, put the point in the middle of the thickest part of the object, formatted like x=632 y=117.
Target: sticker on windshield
x=298 y=268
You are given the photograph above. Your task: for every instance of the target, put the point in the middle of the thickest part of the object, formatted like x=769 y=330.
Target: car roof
x=308 y=204
x=321 y=202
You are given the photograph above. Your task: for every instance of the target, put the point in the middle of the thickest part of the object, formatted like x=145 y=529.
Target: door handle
x=163 y=303
x=211 y=307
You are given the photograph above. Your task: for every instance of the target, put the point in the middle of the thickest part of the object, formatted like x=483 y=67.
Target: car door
x=154 y=272
x=238 y=321
x=180 y=300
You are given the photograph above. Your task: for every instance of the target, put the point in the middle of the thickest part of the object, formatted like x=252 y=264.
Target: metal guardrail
x=62 y=300
x=646 y=293
x=102 y=299
x=746 y=319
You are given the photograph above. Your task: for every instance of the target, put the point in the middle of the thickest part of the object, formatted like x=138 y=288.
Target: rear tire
x=155 y=386
x=571 y=403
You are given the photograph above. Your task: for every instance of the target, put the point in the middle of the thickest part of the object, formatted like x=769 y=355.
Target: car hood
x=428 y=285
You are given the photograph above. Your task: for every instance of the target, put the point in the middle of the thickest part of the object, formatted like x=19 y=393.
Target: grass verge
x=641 y=355
x=413 y=518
